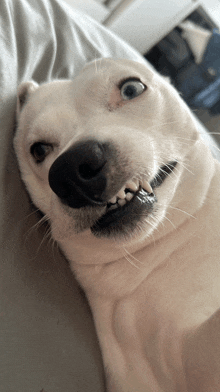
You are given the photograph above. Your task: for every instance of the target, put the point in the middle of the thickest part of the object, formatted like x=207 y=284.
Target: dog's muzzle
x=79 y=175
x=88 y=175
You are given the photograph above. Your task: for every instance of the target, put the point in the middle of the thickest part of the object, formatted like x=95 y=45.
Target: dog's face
x=103 y=154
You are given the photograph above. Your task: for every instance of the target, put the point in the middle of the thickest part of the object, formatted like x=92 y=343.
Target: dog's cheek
x=39 y=191
x=63 y=223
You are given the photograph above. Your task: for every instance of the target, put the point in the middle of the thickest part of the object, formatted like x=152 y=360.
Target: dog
x=114 y=161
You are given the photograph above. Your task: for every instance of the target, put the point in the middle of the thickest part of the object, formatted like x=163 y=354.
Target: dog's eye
x=132 y=88
x=40 y=150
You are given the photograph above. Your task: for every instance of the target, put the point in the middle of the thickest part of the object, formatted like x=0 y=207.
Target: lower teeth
x=112 y=207
x=121 y=202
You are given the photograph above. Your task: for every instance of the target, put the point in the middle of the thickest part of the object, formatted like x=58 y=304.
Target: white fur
x=154 y=293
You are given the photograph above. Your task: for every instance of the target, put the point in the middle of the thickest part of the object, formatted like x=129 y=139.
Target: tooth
x=136 y=181
x=133 y=185
x=121 y=193
x=147 y=187
x=112 y=207
x=129 y=196
x=113 y=200
x=121 y=202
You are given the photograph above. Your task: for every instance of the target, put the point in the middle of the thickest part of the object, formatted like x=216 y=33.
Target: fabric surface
x=47 y=337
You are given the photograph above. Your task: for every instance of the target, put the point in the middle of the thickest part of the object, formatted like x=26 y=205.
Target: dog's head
x=103 y=154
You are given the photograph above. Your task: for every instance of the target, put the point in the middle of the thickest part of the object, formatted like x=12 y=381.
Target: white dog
x=114 y=160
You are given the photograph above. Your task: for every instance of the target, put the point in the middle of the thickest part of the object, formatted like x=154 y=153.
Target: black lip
x=125 y=218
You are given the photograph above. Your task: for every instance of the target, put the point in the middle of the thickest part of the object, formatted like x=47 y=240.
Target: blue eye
x=131 y=89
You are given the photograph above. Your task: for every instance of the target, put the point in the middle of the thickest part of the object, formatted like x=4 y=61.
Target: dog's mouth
x=134 y=200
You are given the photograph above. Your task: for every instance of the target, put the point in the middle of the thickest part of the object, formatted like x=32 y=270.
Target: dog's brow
x=127 y=79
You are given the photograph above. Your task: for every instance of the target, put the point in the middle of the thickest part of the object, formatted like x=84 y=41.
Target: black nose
x=78 y=175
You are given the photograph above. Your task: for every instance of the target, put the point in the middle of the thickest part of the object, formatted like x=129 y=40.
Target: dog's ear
x=24 y=91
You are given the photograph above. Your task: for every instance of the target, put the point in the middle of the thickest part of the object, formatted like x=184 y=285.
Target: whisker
x=184 y=138
x=155 y=227
x=165 y=217
x=161 y=124
x=177 y=209
x=45 y=237
x=129 y=254
x=31 y=213
x=53 y=244
x=133 y=264
x=167 y=174
x=184 y=165
x=184 y=212
x=211 y=145
x=37 y=225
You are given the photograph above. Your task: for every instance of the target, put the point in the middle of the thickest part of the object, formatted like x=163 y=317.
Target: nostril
x=86 y=172
x=91 y=160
